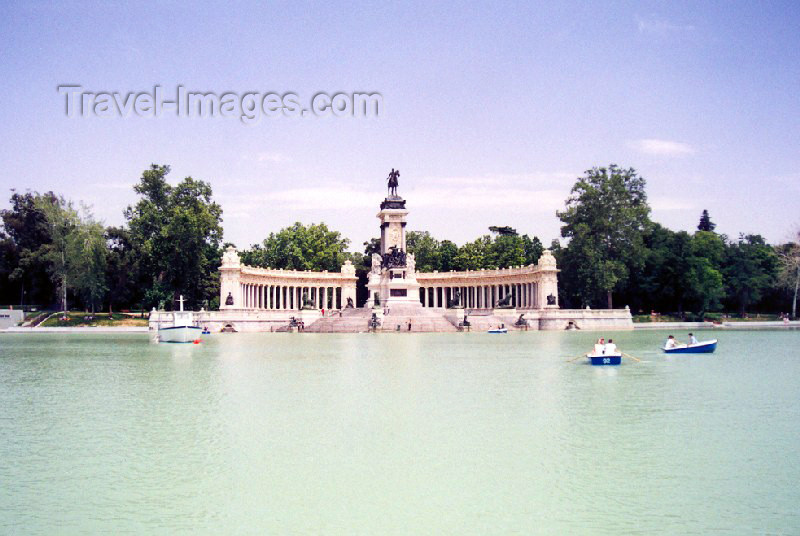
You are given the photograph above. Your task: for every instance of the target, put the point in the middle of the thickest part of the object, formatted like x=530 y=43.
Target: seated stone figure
x=455 y=301
x=506 y=302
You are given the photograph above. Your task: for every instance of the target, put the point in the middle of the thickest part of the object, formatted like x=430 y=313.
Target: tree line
x=55 y=256
x=611 y=253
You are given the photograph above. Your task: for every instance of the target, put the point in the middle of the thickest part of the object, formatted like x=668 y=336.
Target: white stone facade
x=529 y=286
x=250 y=288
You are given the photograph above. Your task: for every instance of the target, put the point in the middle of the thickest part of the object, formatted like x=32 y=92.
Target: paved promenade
x=98 y=329
x=711 y=325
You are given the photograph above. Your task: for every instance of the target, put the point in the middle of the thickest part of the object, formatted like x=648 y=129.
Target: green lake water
x=398 y=434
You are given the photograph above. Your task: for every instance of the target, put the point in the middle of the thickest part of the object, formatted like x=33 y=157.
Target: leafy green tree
x=177 y=233
x=706 y=223
x=704 y=274
x=605 y=219
x=62 y=220
x=300 y=247
x=123 y=273
x=474 y=255
x=448 y=251
x=504 y=251
x=373 y=245
x=26 y=230
x=533 y=249
x=789 y=275
x=8 y=263
x=76 y=253
x=89 y=251
x=751 y=268
x=426 y=250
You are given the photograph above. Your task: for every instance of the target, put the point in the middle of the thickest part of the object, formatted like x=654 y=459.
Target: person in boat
x=692 y=339
x=610 y=348
x=600 y=346
x=670 y=342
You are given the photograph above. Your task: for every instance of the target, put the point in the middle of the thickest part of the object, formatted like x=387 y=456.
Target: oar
x=574 y=358
x=629 y=355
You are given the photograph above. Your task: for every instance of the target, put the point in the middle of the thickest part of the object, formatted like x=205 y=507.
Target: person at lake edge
x=670 y=342
x=610 y=348
x=692 y=339
x=600 y=346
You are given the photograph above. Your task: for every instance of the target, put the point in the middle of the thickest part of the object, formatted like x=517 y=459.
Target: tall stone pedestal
x=392 y=279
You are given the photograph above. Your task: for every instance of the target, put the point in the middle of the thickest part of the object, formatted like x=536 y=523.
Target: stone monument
x=392 y=279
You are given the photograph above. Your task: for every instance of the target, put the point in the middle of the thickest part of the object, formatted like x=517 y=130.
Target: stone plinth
x=454 y=315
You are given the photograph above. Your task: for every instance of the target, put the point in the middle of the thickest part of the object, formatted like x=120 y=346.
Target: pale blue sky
x=513 y=100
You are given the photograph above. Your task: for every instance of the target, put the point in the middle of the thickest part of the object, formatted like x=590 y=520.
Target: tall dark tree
x=123 y=273
x=789 y=275
x=447 y=255
x=751 y=268
x=605 y=219
x=705 y=223
x=26 y=230
x=177 y=231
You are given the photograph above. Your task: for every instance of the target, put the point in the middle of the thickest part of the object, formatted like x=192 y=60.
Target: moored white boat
x=182 y=328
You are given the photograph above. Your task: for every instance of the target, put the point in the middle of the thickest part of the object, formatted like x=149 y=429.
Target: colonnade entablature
x=254 y=288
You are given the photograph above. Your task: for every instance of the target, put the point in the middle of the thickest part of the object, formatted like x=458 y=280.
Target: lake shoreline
x=636 y=326
x=82 y=329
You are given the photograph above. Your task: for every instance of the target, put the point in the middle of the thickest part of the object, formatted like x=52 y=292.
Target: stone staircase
x=357 y=321
x=351 y=321
x=425 y=320
x=422 y=320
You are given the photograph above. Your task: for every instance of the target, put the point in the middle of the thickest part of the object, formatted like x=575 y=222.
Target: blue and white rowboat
x=498 y=330
x=703 y=347
x=605 y=359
